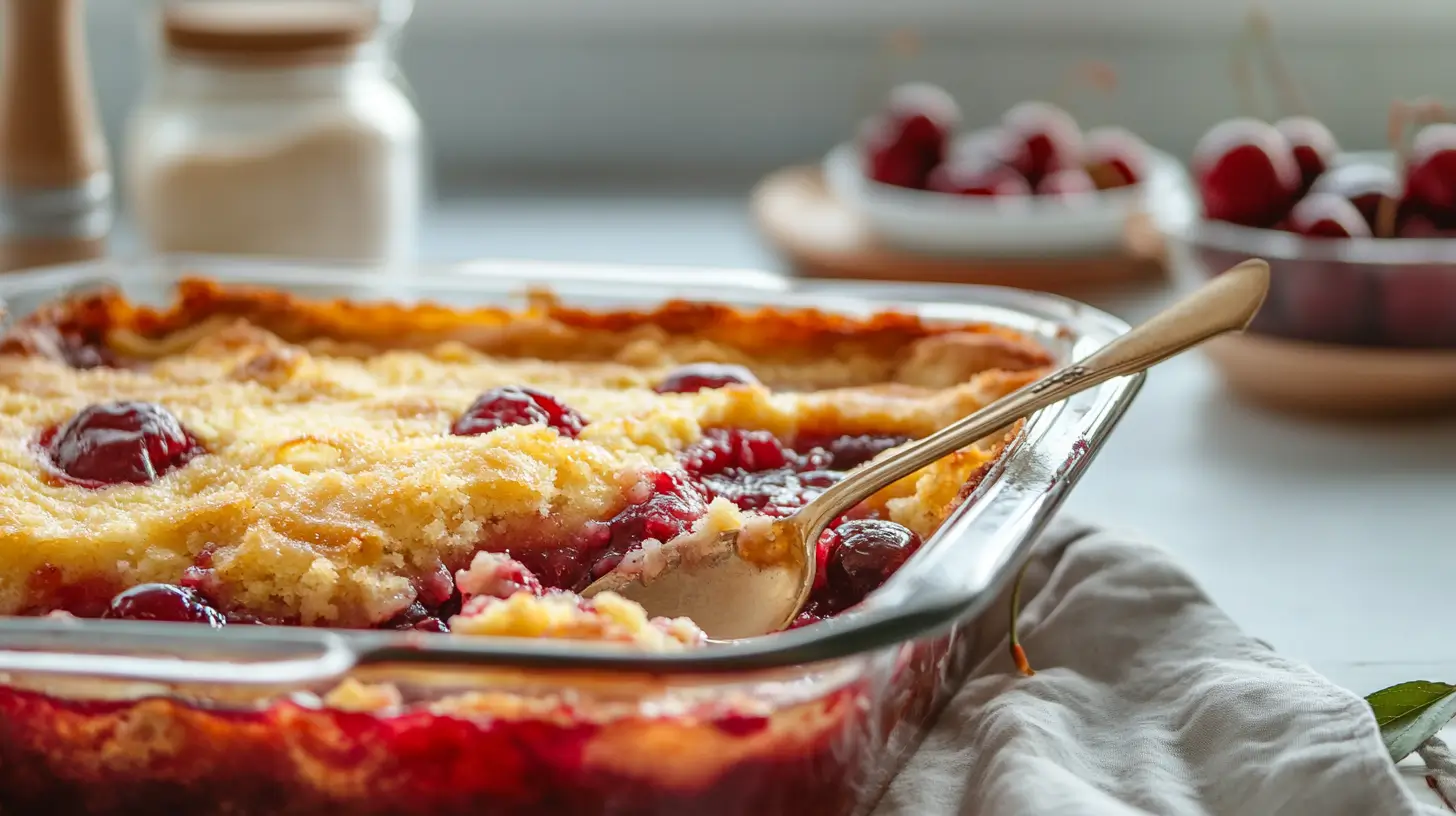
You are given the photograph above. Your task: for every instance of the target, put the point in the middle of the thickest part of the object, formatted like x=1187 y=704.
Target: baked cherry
x=1246 y=173
x=1068 y=183
x=720 y=450
x=164 y=602
x=669 y=511
x=1326 y=215
x=120 y=443
x=1313 y=144
x=1430 y=179
x=695 y=377
x=867 y=554
x=978 y=178
x=1048 y=137
x=1114 y=157
x=1363 y=185
x=517 y=405
x=850 y=450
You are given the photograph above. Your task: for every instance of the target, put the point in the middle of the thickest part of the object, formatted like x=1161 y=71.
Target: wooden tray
x=823 y=238
x=1337 y=382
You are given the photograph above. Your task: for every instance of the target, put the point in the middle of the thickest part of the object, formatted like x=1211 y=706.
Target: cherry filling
x=667 y=510
x=753 y=469
x=757 y=472
x=119 y=443
x=517 y=405
x=695 y=377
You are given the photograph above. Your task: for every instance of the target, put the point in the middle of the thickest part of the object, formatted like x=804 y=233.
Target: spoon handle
x=1226 y=303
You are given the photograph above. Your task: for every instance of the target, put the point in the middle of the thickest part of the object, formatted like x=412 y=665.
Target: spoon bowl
x=754 y=581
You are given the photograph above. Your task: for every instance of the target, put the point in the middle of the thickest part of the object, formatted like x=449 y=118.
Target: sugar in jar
x=275 y=128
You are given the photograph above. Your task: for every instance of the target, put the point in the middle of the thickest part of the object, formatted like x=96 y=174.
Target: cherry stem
x=1018 y=654
x=898 y=43
x=1285 y=85
x=1244 y=78
x=1090 y=73
x=1395 y=127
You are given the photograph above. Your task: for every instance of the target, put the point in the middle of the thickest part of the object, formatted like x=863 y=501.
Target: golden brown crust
x=547 y=330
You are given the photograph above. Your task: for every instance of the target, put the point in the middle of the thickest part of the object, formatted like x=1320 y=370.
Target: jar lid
x=252 y=30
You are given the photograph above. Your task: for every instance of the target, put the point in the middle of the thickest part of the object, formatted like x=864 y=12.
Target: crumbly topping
x=562 y=615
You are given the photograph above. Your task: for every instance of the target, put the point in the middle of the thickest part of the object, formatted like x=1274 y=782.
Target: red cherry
x=978 y=179
x=867 y=554
x=164 y=602
x=692 y=378
x=517 y=405
x=923 y=117
x=120 y=443
x=1246 y=172
x=849 y=451
x=676 y=502
x=1363 y=185
x=720 y=450
x=1070 y=183
x=1420 y=225
x=1048 y=136
x=912 y=135
x=1326 y=215
x=890 y=162
x=1430 y=179
x=1314 y=146
x=1114 y=157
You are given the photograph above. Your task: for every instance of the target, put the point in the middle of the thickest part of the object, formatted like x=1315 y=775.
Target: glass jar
x=276 y=128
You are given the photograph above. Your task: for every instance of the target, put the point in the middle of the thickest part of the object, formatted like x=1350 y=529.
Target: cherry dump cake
x=245 y=456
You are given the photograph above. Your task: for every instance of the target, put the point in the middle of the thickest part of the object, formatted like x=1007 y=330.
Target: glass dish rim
x=1011 y=506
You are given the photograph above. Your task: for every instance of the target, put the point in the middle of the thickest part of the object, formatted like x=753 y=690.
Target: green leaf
x=1411 y=713
x=1395 y=702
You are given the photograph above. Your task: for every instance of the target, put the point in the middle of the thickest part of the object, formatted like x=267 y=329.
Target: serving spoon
x=754 y=580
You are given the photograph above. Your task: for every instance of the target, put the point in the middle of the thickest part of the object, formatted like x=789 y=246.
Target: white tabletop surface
x=1333 y=543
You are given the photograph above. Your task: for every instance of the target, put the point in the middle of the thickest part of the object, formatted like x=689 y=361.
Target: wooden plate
x=823 y=238
x=1336 y=381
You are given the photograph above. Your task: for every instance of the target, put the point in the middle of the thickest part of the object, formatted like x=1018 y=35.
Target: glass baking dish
x=110 y=717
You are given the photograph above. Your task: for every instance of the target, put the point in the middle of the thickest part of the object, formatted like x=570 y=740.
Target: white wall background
x=664 y=90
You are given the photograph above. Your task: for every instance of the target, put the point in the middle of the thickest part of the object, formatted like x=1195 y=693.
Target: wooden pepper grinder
x=55 y=185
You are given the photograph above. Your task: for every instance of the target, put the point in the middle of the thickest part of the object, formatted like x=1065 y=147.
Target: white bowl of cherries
x=1034 y=184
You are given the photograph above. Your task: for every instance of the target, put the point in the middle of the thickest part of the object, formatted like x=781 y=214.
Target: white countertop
x=1333 y=543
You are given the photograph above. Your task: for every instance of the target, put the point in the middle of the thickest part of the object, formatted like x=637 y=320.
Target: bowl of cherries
x=1361 y=313
x=1032 y=184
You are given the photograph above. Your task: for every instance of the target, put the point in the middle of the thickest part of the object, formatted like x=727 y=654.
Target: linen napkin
x=1147 y=700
